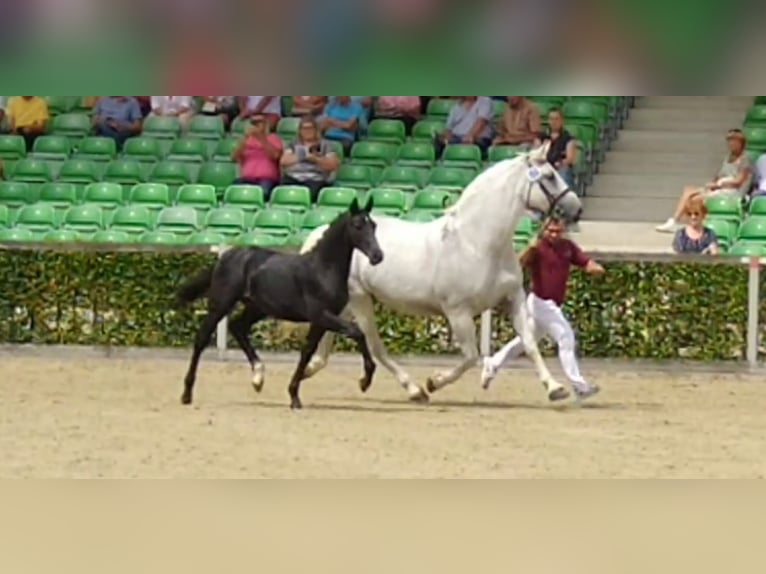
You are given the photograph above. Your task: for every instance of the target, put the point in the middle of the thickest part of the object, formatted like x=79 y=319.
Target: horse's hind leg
x=464 y=332
x=312 y=340
x=321 y=357
x=240 y=329
x=364 y=314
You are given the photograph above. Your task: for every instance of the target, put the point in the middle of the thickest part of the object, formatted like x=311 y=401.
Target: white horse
x=457 y=266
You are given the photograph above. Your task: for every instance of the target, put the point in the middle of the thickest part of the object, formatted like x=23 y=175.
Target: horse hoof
x=364 y=384
x=296 y=405
x=258 y=387
x=186 y=399
x=430 y=386
x=420 y=397
x=559 y=394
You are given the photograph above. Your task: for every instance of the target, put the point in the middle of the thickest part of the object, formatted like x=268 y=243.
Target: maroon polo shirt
x=550 y=265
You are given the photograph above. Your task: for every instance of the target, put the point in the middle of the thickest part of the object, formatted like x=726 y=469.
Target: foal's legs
x=464 y=331
x=312 y=340
x=240 y=330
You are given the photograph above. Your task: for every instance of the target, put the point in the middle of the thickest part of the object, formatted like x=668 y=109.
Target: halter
x=553 y=200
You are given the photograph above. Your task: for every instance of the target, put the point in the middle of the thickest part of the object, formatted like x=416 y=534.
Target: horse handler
x=549 y=260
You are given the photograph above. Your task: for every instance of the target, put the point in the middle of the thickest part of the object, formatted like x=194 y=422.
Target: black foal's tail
x=195 y=288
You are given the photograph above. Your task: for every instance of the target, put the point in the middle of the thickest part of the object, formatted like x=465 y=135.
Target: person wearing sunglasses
x=259 y=154
x=695 y=237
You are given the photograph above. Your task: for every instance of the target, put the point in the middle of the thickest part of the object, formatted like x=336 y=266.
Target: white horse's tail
x=313 y=238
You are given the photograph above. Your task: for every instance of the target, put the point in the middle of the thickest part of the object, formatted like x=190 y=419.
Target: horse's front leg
x=464 y=333
x=524 y=323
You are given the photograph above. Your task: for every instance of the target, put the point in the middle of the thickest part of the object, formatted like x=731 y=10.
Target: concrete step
x=711 y=127
x=646 y=141
x=631 y=163
x=645 y=209
x=733 y=103
x=692 y=116
x=649 y=186
x=622 y=237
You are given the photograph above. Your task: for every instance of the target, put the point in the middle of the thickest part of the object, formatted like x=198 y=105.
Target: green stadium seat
x=171 y=173
x=188 y=149
x=228 y=221
x=207 y=238
x=756 y=116
x=724 y=229
x=724 y=207
x=104 y=194
x=161 y=127
x=450 y=178
x=133 y=219
x=80 y=173
x=355 y=176
x=125 y=172
x=416 y=154
x=747 y=249
x=39 y=218
x=339 y=198
x=336 y=148
x=426 y=130
x=420 y=216
x=58 y=194
x=49 y=147
x=73 y=125
x=296 y=198
x=527 y=227
x=160 y=238
x=435 y=200
x=199 y=196
x=753 y=228
x=260 y=239
x=239 y=127
x=12 y=147
x=5 y=216
x=218 y=174
x=383 y=130
x=153 y=196
x=111 y=236
x=439 y=108
x=462 y=155
x=33 y=172
x=373 y=153
x=224 y=149
x=60 y=104
x=756 y=138
x=389 y=201
x=206 y=127
x=758 y=206
x=61 y=236
x=97 y=148
x=409 y=178
x=759 y=101
x=181 y=220
x=287 y=128
x=274 y=221
x=498 y=153
x=318 y=217
x=247 y=197
x=142 y=149
x=15 y=195
x=84 y=219
x=16 y=235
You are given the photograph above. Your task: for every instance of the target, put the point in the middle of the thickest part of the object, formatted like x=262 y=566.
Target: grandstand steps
x=621 y=237
x=668 y=142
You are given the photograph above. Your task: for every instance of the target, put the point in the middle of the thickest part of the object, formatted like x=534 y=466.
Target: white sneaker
x=668 y=227
x=488 y=373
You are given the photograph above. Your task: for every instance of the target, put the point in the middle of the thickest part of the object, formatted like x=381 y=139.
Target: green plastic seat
x=85 y=218
x=450 y=178
x=206 y=127
x=188 y=149
x=747 y=249
x=160 y=238
x=96 y=148
x=39 y=217
x=498 y=153
x=51 y=147
x=61 y=236
x=354 y=176
x=181 y=220
x=5 y=216
x=337 y=197
x=73 y=125
x=318 y=217
x=111 y=236
x=161 y=127
x=228 y=221
x=385 y=130
x=104 y=194
x=375 y=153
x=758 y=206
x=756 y=116
x=724 y=206
x=59 y=104
x=756 y=138
x=80 y=173
x=527 y=227
x=218 y=174
x=462 y=155
x=133 y=219
x=32 y=171
x=724 y=229
x=12 y=147
x=14 y=195
x=247 y=197
x=58 y=194
x=126 y=172
x=171 y=173
x=287 y=128
x=586 y=112
x=431 y=200
x=208 y=238
x=260 y=239
x=425 y=130
x=389 y=201
x=420 y=215
x=439 y=108
x=199 y=196
x=142 y=149
x=416 y=154
x=409 y=178
x=224 y=149
x=295 y=198
x=16 y=235
x=153 y=196
x=753 y=228
x=274 y=221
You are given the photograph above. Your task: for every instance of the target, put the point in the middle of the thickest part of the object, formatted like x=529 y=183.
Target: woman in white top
x=268 y=106
x=181 y=107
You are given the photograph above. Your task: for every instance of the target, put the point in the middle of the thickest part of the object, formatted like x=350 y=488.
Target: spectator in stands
x=308 y=105
x=28 y=116
x=117 y=117
x=562 y=152
x=269 y=106
x=469 y=122
x=259 y=154
x=521 y=124
x=309 y=160
x=366 y=104
x=760 y=176
x=145 y=103
x=695 y=237
x=340 y=121
x=223 y=106
x=181 y=107
x=735 y=177
x=404 y=108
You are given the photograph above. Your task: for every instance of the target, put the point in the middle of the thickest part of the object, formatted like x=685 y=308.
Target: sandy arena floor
x=120 y=419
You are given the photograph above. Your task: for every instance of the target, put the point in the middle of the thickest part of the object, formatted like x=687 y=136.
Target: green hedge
x=660 y=311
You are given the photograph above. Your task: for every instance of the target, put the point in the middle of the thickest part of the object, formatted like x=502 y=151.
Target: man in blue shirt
x=117 y=117
x=341 y=121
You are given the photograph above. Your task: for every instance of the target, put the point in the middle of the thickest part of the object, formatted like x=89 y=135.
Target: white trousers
x=550 y=321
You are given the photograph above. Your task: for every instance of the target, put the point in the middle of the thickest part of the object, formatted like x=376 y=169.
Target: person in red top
x=258 y=155
x=550 y=261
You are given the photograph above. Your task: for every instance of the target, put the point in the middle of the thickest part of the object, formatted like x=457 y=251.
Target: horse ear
x=370 y=204
x=354 y=207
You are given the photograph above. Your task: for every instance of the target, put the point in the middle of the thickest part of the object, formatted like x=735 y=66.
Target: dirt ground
x=121 y=418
